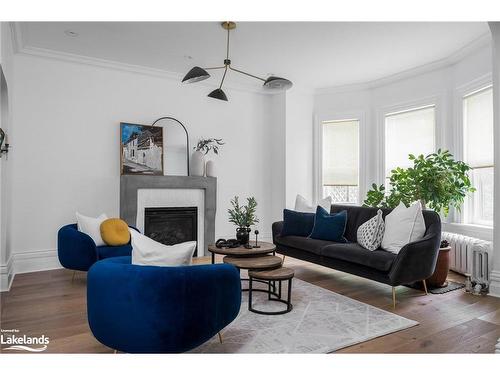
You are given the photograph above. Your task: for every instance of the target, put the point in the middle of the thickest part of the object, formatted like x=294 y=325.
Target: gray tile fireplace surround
x=129 y=186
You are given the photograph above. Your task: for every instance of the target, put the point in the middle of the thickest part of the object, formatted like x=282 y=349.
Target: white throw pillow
x=91 y=226
x=402 y=226
x=302 y=205
x=148 y=252
x=371 y=232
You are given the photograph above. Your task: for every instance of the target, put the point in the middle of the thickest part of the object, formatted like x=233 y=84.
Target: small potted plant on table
x=243 y=217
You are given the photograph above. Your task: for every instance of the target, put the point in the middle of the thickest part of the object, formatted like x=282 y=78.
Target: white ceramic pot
x=210 y=169
x=197 y=164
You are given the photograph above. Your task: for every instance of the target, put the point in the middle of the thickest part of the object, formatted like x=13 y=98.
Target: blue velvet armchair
x=78 y=251
x=151 y=309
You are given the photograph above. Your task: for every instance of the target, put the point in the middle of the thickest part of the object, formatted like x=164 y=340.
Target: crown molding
x=481 y=42
x=22 y=49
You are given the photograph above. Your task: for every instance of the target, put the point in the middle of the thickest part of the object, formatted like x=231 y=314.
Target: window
x=408 y=132
x=340 y=160
x=478 y=153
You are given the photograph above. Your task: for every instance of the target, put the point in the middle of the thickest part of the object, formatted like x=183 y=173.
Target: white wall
x=65 y=139
x=6 y=55
x=299 y=146
x=369 y=102
x=277 y=164
x=495 y=272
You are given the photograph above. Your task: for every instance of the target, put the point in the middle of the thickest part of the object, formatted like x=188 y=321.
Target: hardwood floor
x=49 y=303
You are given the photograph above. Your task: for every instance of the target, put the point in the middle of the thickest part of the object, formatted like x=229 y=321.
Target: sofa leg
x=394 y=298
x=220 y=337
x=425 y=287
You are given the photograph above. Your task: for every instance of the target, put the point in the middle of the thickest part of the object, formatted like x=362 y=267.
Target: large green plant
x=437 y=180
x=243 y=216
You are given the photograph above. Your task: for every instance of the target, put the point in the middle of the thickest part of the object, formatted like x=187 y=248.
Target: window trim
x=333 y=116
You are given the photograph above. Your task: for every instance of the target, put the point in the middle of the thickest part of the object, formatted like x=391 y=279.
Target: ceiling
x=311 y=54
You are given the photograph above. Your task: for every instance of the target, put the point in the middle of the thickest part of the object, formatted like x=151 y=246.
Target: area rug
x=438 y=290
x=321 y=322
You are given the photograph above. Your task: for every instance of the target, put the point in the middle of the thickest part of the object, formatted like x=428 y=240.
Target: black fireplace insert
x=172 y=225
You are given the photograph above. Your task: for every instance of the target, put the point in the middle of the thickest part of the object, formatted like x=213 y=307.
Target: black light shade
x=277 y=83
x=195 y=75
x=218 y=94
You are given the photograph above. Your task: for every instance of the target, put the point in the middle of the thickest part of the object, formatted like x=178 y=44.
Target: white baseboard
x=6 y=275
x=494 y=284
x=44 y=260
x=35 y=261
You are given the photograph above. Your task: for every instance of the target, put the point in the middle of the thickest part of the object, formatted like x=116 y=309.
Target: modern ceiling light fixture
x=198 y=74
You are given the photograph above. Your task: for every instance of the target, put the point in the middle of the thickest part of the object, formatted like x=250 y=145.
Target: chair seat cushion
x=302 y=243
x=352 y=252
x=114 y=251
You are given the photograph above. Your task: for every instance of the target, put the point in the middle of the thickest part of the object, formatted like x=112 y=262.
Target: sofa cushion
x=113 y=251
x=302 y=243
x=302 y=205
x=297 y=223
x=329 y=227
x=352 y=252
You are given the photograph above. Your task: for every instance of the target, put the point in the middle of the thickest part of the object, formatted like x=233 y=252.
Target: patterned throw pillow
x=370 y=233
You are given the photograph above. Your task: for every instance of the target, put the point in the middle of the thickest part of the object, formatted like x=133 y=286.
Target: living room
x=195 y=185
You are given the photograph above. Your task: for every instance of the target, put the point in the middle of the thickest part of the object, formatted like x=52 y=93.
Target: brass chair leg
x=425 y=286
x=394 y=298
x=220 y=337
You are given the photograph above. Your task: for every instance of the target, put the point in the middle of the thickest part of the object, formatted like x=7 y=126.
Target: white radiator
x=470 y=255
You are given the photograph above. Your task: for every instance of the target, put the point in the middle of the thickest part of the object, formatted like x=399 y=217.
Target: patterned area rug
x=321 y=322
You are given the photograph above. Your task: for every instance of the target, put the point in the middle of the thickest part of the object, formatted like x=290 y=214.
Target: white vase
x=210 y=169
x=197 y=164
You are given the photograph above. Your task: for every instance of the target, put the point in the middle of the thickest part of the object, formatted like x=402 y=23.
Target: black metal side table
x=271 y=276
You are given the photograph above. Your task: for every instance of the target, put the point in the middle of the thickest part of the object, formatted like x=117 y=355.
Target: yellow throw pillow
x=115 y=232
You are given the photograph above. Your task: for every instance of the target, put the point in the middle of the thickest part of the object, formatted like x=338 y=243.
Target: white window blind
x=478 y=153
x=478 y=127
x=340 y=160
x=340 y=152
x=408 y=132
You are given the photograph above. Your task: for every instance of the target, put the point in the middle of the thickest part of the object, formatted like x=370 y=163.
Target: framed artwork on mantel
x=141 y=149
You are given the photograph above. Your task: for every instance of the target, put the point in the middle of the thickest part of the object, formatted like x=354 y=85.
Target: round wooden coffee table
x=241 y=251
x=272 y=275
x=259 y=262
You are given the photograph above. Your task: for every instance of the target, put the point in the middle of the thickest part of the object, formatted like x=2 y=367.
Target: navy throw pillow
x=297 y=223
x=329 y=227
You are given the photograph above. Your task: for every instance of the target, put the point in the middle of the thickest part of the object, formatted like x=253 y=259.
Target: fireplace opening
x=171 y=225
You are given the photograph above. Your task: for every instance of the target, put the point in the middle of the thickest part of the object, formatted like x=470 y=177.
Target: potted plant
x=440 y=274
x=438 y=181
x=243 y=217
x=202 y=148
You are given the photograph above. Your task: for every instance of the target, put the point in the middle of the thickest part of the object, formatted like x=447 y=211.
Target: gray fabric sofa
x=415 y=262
